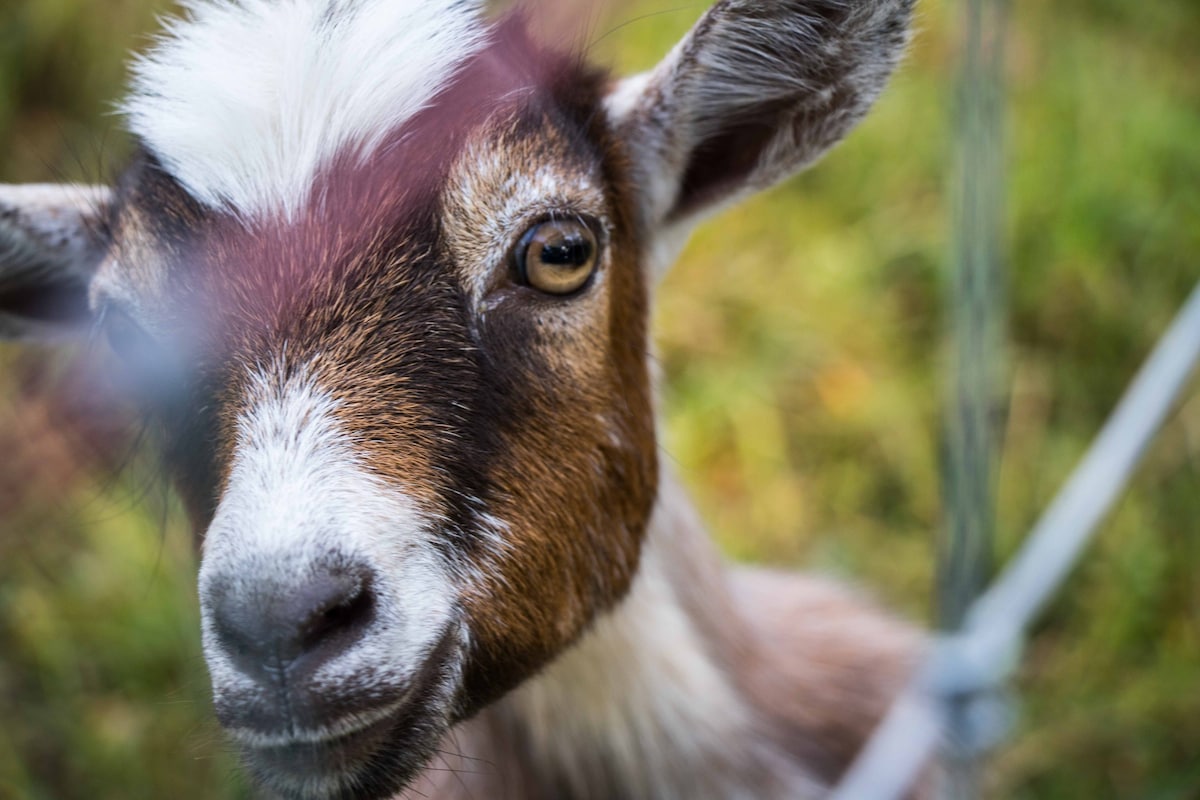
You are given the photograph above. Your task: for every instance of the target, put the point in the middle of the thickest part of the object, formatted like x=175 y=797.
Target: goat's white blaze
x=247 y=100
x=298 y=496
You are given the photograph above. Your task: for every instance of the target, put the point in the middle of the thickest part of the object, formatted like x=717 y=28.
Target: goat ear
x=757 y=90
x=51 y=241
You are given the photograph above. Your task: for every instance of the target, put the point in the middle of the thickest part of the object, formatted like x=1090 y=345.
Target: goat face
x=411 y=417
x=380 y=271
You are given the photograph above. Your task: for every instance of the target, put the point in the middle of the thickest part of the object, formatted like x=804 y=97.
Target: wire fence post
x=973 y=397
x=968 y=664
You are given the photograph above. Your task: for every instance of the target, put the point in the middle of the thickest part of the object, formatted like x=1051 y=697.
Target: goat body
x=381 y=271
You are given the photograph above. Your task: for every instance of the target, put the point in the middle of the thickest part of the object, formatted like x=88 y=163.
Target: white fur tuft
x=244 y=101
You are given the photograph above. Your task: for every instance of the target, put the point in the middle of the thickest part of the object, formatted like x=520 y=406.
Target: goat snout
x=304 y=624
x=292 y=643
x=326 y=664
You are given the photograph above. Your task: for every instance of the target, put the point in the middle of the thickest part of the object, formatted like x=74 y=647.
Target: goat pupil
x=571 y=250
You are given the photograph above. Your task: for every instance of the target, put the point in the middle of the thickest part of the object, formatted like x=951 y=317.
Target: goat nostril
x=345 y=610
x=313 y=620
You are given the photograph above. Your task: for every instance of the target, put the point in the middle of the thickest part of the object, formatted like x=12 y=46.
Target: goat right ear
x=757 y=91
x=52 y=239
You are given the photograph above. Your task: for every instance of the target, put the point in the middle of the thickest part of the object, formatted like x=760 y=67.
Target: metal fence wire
x=958 y=700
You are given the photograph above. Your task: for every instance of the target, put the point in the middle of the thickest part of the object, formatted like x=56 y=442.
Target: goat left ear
x=758 y=90
x=51 y=242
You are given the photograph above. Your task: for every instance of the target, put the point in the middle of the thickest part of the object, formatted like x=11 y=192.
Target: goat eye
x=557 y=256
x=152 y=369
x=126 y=337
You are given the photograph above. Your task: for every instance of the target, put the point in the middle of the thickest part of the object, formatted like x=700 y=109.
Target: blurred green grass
x=801 y=337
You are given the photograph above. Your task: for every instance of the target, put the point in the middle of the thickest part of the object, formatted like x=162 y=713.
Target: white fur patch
x=298 y=497
x=245 y=101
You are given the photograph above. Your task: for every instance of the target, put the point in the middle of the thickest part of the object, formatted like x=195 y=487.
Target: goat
x=381 y=271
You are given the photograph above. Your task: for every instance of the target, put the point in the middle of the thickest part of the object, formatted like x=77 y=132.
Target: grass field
x=802 y=338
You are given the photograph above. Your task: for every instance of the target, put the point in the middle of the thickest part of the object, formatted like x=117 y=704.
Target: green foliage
x=802 y=342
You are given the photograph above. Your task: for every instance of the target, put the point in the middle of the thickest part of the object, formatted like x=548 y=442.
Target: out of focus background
x=803 y=341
